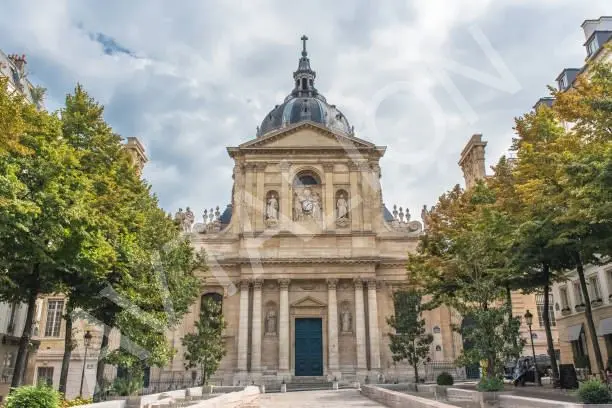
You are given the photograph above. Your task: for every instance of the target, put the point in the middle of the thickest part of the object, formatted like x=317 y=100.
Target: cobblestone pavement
x=316 y=399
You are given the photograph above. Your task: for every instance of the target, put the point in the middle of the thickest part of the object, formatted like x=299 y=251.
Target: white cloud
x=209 y=71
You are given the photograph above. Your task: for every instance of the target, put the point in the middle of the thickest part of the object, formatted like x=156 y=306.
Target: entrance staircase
x=298 y=383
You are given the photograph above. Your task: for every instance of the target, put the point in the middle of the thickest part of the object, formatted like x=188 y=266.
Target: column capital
x=284 y=165
x=359 y=165
x=244 y=284
x=284 y=283
x=261 y=166
x=358 y=283
x=257 y=284
x=328 y=167
x=331 y=283
x=372 y=283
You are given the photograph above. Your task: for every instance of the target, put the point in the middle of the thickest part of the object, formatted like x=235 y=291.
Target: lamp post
x=86 y=342
x=529 y=321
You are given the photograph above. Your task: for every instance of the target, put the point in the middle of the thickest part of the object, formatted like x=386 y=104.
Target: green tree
x=44 y=224
x=409 y=341
x=205 y=348
x=462 y=261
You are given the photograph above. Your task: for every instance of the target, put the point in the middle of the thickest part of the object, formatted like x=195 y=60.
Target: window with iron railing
x=540 y=307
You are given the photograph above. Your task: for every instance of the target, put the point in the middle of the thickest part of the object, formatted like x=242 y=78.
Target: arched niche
x=271 y=318
x=307 y=197
x=214 y=296
x=343 y=213
x=272 y=206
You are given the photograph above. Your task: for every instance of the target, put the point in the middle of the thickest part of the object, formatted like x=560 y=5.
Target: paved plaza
x=316 y=399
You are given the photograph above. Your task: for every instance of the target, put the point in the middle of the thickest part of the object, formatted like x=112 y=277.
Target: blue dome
x=304 y=103
x=307 y=108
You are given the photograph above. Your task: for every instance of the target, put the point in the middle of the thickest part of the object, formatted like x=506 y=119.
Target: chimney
x=20 y=62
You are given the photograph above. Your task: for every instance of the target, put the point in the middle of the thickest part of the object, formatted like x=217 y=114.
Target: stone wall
x=395 y=399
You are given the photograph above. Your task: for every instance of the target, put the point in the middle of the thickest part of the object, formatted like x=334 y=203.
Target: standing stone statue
x=425 y=216
x=342 y=207
x=316 y=207
x=179 y=218
x=272 y=208
x=271 y=322
x=297 y=208
x=188 y=220
x=345 y=320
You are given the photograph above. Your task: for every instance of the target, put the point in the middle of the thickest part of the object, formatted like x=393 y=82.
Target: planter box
x=596 y=303
x=566 y=311
x=580 y=308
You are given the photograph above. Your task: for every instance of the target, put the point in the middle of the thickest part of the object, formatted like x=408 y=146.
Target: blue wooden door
x=308 y=347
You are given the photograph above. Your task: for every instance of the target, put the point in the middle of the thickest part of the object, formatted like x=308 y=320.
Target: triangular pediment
x=308 y=301
x=305 y=135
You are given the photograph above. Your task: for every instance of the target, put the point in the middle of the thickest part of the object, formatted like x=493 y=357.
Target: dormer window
x=562 y=83
x=592 y=46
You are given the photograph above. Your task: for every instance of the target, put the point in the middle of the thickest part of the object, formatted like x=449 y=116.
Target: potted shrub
x=565 y=311
x=489 y=387
x=335 y=384
x=593 y=392
x=39 y=396
x=283 y=386
x=580 y=307
x=596 y=302
x=443 y=381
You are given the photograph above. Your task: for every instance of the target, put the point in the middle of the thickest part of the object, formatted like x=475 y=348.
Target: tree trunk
x=416 y=373
x=546 y=319
x=24 y=342
x=589 y=315
x=101 y=362
x=203 y=375
x=68 y=347
x=509 y=303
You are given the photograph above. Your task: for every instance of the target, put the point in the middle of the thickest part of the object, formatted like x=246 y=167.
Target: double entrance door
x=308 y=347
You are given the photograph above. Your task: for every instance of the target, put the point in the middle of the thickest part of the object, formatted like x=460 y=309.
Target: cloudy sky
x=194 y=76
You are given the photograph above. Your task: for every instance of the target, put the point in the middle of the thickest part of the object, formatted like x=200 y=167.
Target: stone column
x=249 y=195
x=260 y=197
x=238 y=198
x=373 y=326
x=332 y=327
x=256 y=327
x=356 y=200
x=285 y=196
x=283 y=327
x=243 y=327
x=360 y=332
x=330 y=205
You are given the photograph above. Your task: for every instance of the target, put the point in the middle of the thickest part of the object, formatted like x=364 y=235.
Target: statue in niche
x=342 y=206
x=297 y=208
x=188 y=220
x=271 y=322
x=316 y=207
x=345 y=320
x=272 y=208
x=307 y=205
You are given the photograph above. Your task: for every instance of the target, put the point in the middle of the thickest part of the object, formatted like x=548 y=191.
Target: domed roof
x=304 y=103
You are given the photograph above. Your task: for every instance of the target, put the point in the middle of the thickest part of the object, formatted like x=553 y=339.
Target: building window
x=436 y=330
x=540 y=307
x=595 y=290
x=578 y=294
x=564 y=298
x=45 y=376
x=593 y=46
x=54 y=318
x=534 y=336
x=562 y=83
x=438 y=348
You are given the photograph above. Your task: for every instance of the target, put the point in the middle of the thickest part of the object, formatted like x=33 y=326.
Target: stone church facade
x=306 y=258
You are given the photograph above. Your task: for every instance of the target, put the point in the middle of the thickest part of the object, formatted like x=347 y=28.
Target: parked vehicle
x=542 y=362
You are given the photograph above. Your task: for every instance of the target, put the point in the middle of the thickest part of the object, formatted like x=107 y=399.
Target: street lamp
x=529 y=321
x=86 y=342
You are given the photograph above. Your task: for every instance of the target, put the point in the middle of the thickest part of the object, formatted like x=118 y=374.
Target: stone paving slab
x=316 y=399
